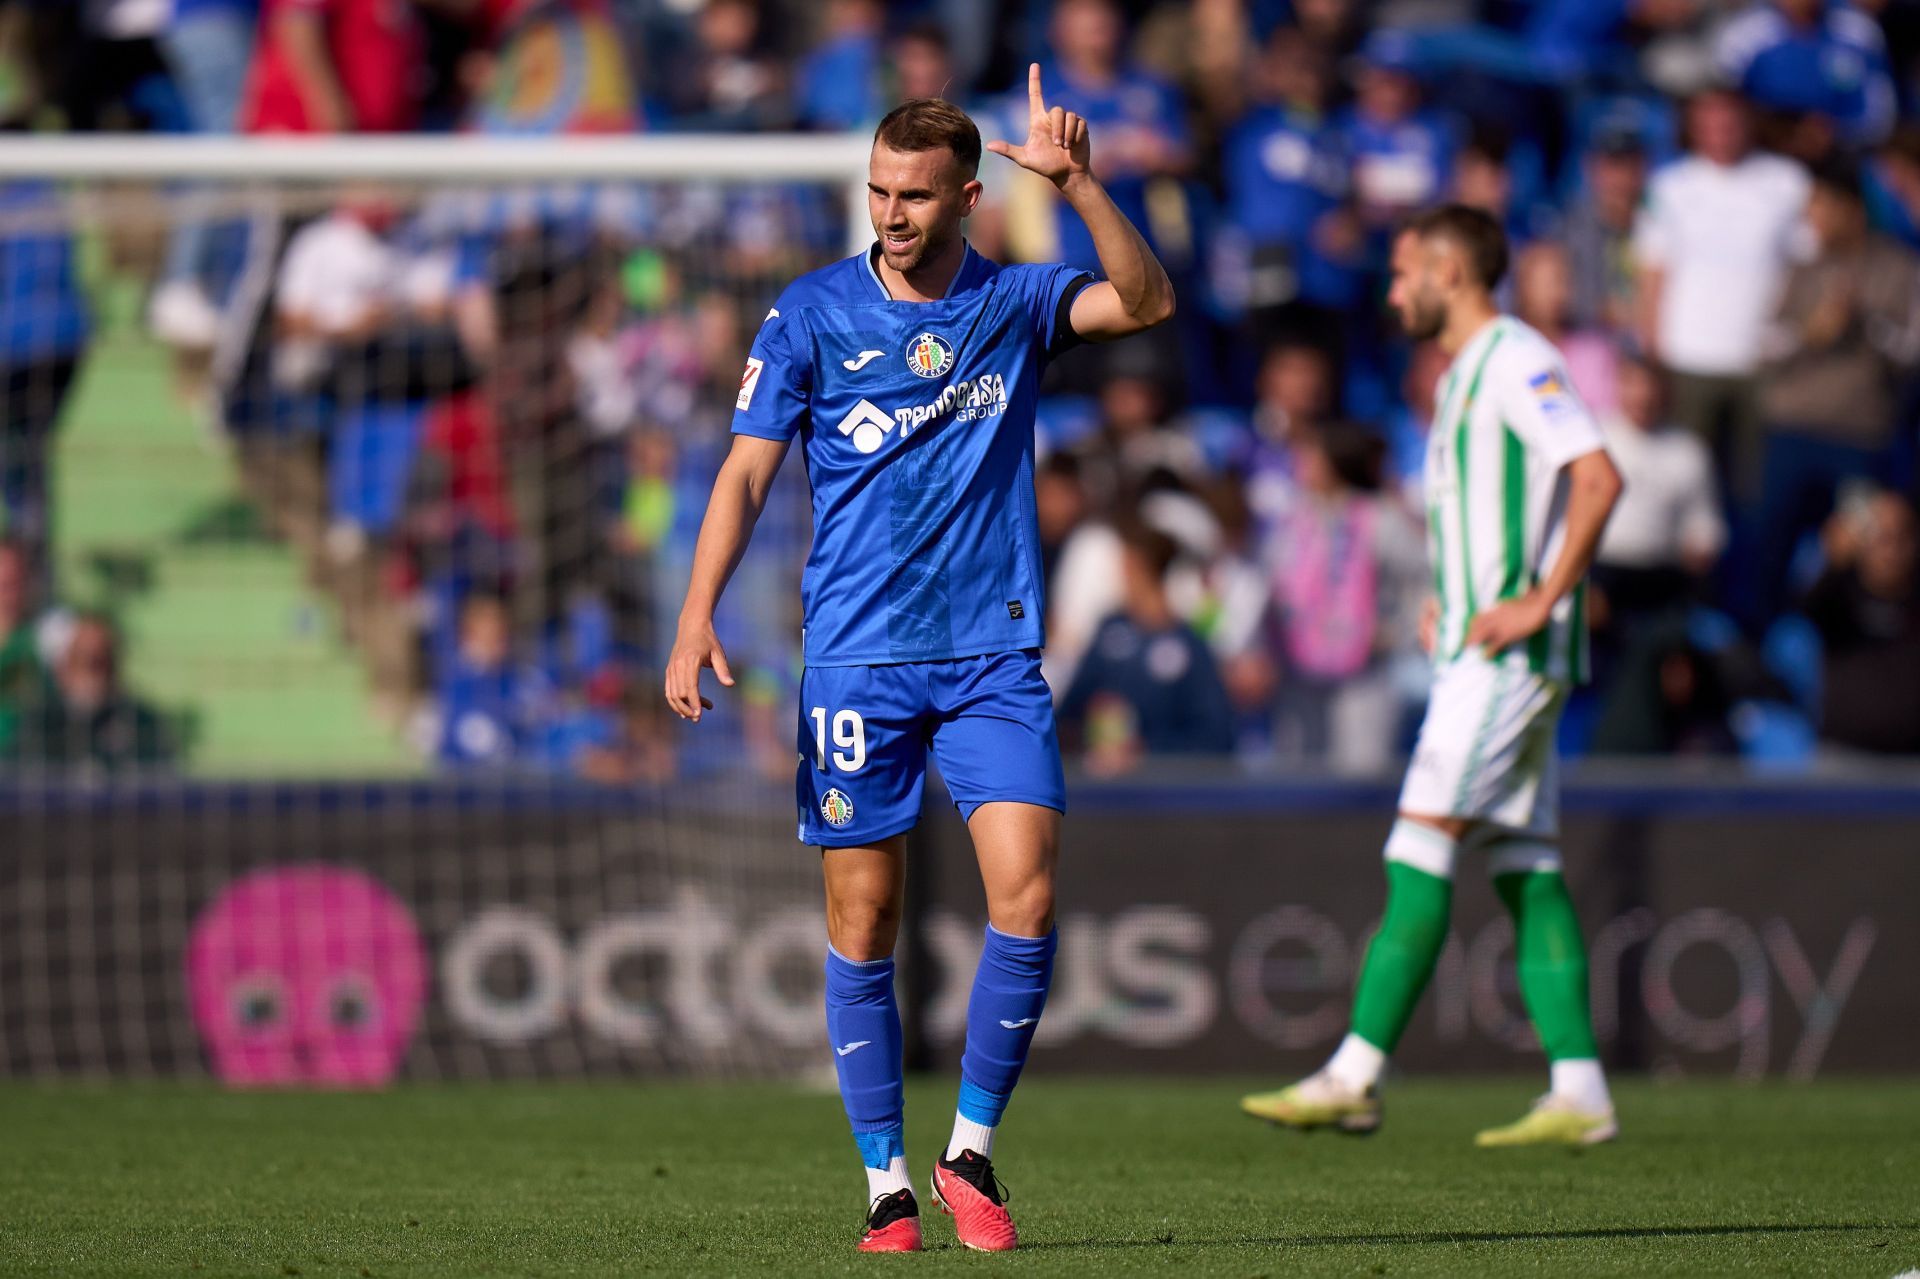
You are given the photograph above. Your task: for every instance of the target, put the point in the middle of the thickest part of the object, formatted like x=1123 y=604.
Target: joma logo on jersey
x=929 y=356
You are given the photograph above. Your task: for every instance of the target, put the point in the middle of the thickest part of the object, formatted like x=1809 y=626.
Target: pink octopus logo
x=306 y=975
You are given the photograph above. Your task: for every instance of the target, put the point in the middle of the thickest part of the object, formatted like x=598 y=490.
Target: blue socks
x=1009 y=991
x=863 y=1025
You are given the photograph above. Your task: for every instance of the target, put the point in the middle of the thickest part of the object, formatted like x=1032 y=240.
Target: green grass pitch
x=1108 y=1177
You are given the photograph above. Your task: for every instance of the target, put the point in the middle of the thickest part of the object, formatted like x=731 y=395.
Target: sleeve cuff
x=1573 y=450
x=759 y=432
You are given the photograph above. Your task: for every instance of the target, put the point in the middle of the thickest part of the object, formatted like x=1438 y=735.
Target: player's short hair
x=1473 y=231
x=928 y=124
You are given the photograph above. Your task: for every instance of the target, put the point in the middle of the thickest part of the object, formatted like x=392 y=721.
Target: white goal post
x=730 y=159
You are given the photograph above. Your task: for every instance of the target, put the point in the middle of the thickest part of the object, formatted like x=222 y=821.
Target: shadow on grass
x=1418 y=1237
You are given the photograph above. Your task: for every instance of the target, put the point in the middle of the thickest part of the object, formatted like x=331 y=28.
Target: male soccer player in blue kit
x=909 y=373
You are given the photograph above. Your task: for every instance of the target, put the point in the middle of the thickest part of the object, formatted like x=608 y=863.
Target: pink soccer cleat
x=893 y=1224
x=966 y=1190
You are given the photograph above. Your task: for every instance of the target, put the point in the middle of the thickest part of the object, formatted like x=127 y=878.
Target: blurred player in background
x=909 y=372
x=1518 y=490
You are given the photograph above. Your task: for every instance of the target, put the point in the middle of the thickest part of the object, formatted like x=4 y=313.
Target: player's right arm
x=772 y=404
x=739 y=495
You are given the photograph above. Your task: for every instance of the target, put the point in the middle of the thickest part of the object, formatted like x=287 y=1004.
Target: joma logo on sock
x=1015 y=1025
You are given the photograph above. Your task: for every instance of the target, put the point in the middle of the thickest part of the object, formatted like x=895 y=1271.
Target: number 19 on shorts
x=849 y=735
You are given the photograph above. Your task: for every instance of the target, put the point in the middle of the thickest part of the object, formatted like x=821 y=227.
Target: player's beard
x=926 y=243
x=1423 y=319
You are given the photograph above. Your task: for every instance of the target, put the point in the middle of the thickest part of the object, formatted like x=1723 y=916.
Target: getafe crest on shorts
x=929 y=356
x=835 y=808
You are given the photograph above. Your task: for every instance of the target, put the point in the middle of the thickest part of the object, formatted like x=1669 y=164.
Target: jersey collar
x=963 y=279
x=1478 y=342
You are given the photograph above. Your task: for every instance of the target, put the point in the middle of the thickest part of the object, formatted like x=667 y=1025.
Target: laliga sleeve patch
x=1556 y=400
x=748 y=380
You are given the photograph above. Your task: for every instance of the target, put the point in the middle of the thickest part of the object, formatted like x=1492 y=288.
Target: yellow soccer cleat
x=1318 y=1101
x=1553 y=1121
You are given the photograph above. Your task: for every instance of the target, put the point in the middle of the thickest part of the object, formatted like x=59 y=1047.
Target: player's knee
x=862 y=931
x=1026 y=911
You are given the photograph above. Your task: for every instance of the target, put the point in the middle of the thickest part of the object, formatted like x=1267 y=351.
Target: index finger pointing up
x=1036 y=104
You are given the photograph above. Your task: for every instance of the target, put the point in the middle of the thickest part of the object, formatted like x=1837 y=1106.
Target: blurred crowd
x=488 y=418
x=63 y=705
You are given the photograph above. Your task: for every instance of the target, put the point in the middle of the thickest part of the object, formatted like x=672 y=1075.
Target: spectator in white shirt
x=1667 y=532
x=361 y=313
x=344 y=280
x=1713 y=245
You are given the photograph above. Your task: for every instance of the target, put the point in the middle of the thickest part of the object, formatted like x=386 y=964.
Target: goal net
x=348 y=490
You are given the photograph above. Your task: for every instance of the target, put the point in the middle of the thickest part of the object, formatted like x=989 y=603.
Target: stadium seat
x=1793 y=653
x=1774 y=737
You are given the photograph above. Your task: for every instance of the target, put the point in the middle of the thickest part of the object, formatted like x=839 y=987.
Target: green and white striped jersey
x=1507 y=422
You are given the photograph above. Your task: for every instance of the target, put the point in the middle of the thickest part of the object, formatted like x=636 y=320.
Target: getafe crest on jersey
x=922 y=476
x=929 y=355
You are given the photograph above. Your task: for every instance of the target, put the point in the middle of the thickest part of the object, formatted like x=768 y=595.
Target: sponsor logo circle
x=929 y=355
x=836 y=808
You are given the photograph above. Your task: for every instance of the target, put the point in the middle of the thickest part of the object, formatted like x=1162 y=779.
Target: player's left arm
x=1539 y=405
x=1136 y=294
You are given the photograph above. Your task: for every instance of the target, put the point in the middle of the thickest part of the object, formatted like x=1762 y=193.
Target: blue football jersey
x=916 y=425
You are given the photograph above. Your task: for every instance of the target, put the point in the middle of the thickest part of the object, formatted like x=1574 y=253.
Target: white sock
x=1579 y=1080
x=1356 y=1063
x=967 y=1135
x=889 y=1180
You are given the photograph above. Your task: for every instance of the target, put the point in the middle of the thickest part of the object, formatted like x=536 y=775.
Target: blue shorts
x=865 y=732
